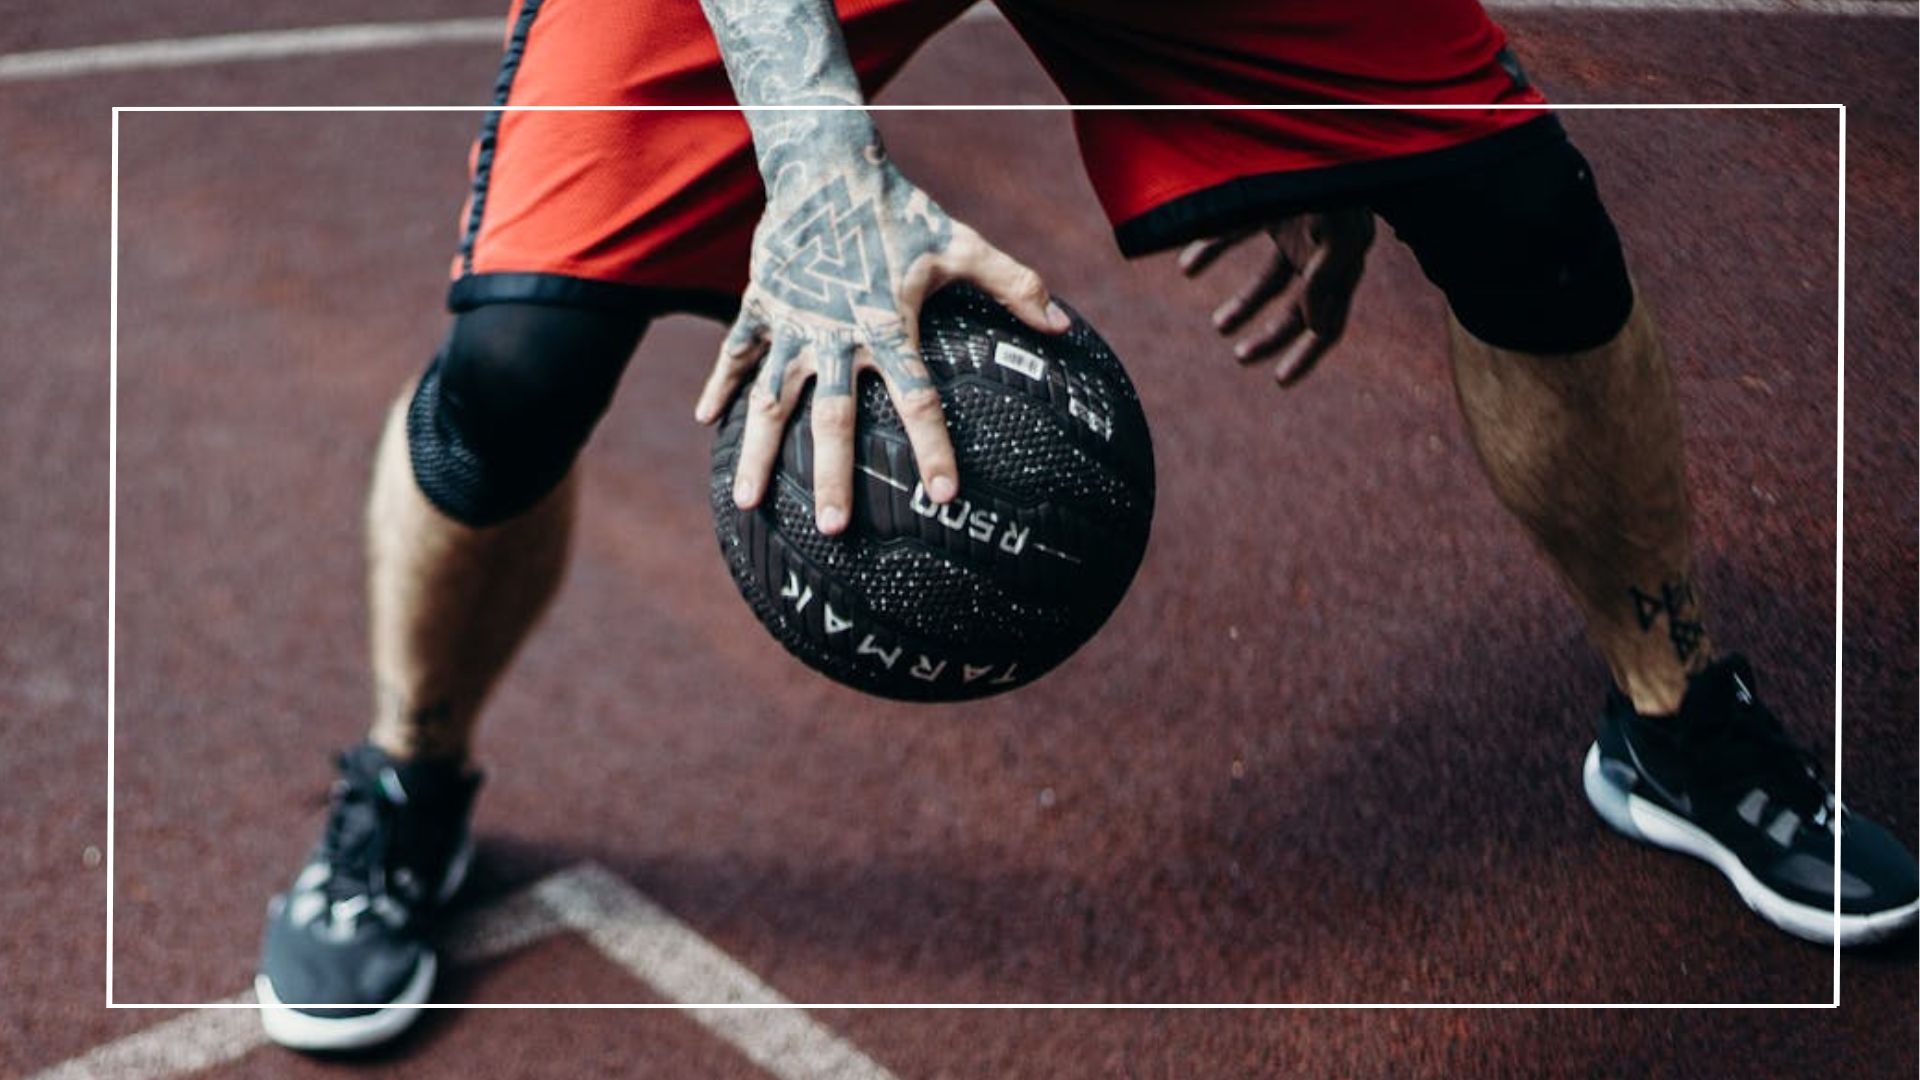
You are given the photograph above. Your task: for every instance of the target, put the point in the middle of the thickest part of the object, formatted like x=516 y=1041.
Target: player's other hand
x=843 y=258
x=1307 y=281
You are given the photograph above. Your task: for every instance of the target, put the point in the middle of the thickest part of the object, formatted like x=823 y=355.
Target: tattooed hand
x=1316 y=262
x=845 y=254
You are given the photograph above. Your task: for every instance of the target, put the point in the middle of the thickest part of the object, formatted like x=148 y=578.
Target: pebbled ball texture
x=921 y=602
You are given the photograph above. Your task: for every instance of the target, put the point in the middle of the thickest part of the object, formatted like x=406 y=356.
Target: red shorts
x=657 y=209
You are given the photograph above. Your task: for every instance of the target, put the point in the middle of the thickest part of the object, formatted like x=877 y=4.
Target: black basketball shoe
x=1724 y=783
x=346 y=948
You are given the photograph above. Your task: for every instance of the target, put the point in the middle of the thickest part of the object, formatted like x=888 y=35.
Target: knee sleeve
x=1522 y=247
x=507 y=403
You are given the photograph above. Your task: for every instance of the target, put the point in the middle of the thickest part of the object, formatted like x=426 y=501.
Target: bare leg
x=1585 y=450
x=449 y=604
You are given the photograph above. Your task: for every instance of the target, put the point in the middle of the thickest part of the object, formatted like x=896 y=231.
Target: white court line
x=681 y=965
x=187 y=1043
x=213 y=1036
x=626 y=927
x=262 y=45
x=370 y=37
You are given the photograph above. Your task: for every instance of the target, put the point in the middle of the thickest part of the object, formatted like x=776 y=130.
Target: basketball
x=922 y=602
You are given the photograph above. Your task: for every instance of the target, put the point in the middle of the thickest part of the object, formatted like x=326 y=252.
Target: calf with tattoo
x=788 y=220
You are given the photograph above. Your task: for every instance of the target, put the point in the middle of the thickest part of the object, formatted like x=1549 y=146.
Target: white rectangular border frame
x=1839 y=556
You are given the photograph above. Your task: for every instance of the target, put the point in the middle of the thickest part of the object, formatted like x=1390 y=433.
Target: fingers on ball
x=747 y=342
x=769 y=404
x=833 y=455
x=1018 y=287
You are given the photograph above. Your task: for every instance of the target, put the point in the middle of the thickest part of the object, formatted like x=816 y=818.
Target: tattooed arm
x=844 y=256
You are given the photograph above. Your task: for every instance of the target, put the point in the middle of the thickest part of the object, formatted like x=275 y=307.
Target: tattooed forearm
x=845 y=254
x=791 y=52
x=844 y=222
x=783 y=52
x=842 y=227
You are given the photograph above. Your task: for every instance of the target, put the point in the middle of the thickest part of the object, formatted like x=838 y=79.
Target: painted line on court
x=207 y=1037
x=627 y=928
x=665 y=953
x=187 y=1043
x=373 y=37
x=260 y=45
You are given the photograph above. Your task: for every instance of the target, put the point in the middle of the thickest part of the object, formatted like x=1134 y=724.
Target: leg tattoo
x=1675 y=603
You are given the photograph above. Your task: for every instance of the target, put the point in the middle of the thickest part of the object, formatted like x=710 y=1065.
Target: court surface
x=1326 y=752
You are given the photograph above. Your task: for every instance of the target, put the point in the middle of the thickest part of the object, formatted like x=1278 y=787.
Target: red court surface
x=1326 y=751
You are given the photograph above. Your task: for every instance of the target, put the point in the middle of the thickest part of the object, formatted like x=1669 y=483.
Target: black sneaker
x=346 y=947
x=1723 y=782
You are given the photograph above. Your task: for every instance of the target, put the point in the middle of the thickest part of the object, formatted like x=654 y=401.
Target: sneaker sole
x=299 y=1030
x=1639 y=819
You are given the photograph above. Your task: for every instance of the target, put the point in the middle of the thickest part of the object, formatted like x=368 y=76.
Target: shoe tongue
x=440 y=788
x=401 y=782
x=1746 y=743
x=1727 y=682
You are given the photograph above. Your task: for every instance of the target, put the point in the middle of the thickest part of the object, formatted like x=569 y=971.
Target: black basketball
x=941 y=603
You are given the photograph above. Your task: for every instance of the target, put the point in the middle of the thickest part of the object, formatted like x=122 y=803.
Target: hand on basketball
x=842 y=260
x=1316 y=262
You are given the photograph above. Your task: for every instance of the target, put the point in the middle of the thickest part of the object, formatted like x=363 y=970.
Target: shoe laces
x=1739 y=741
x=361 y=822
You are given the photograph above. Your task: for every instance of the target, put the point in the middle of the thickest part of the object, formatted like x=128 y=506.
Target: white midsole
x=290 y=1027
x=304 y=1031
x=1643 y=820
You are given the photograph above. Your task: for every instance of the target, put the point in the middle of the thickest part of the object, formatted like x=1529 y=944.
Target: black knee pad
x=1522 y=247
x=507 y=403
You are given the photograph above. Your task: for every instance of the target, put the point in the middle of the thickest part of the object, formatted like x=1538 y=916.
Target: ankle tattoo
x=1675 y=602
x=424 y=731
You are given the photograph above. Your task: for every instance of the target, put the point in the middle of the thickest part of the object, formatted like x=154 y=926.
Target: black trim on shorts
x=490 y=127
x=559 y=290
x=1251 y=200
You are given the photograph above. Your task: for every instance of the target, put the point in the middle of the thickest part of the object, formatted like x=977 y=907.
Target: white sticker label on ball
x=1009 y=355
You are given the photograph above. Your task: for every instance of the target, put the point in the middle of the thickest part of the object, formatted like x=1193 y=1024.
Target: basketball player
x=583 y=225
